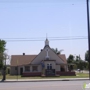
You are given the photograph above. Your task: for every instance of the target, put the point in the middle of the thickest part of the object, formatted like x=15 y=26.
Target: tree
x=70 y=59
x=75 y=66
x=87 y=65
x=80 y=64
x=87 y=56
x=2 y=58
x=2 y=49
x=57 y=51
x=77 y=62
x=78 y=58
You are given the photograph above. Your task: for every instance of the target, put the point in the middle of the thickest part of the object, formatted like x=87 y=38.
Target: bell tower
x=46 y=42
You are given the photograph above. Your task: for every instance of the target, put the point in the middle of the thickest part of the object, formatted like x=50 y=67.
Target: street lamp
x=87 y=4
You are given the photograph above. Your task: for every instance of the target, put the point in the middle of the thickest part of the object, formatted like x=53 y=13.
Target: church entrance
x=49 y=70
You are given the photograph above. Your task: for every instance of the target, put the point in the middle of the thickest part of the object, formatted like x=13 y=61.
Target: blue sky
x=35 y=18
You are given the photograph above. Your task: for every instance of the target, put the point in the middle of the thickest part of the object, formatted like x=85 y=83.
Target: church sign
x=50 y=72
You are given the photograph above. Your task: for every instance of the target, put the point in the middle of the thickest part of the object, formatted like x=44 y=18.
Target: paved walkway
x=38 y=80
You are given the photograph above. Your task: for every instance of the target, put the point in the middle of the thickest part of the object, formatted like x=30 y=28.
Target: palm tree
x=57 y=51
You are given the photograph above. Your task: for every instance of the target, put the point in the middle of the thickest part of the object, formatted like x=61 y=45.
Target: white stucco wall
x=13 y=71
x=57 y=67
x=43 y=54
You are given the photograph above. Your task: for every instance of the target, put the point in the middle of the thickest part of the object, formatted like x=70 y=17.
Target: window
x=27 y=68
x=49 y=66
x=35 y=68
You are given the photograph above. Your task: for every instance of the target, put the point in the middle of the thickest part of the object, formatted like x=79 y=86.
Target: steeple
x=46 y=41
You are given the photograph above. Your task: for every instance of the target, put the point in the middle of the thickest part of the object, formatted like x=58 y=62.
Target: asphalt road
x=50 y=85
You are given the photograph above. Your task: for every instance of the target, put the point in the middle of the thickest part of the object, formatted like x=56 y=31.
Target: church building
x=46 y=63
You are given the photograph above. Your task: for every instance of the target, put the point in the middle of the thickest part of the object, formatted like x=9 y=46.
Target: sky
x=35 y=18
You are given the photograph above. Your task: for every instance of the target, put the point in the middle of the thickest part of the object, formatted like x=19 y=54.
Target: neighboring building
x=47 y=63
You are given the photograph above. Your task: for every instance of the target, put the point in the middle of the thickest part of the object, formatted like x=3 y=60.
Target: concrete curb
x=42 y=80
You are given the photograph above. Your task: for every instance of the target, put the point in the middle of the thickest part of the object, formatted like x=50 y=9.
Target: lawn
x=78 y=75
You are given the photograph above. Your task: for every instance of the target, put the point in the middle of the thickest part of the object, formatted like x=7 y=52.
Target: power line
x=49 y=39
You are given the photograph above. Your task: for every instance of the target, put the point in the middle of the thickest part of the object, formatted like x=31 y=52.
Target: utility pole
x=87 y=4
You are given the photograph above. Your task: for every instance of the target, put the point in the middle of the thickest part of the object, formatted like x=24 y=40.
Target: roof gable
x=63 y=57
x=42 y=54
x=36 y=59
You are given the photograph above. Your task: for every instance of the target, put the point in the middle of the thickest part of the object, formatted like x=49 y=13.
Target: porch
x=37 y=70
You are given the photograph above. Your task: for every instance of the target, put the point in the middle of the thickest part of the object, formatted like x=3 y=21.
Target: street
x=50 y=85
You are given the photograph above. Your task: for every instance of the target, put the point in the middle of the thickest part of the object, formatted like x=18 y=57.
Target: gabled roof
x=27 y=59
x=22 y=59
x=63 y=57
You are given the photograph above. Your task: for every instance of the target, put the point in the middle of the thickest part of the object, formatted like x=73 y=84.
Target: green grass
x=78 y=75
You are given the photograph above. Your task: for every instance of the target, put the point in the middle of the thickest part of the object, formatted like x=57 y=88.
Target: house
x=46 y=63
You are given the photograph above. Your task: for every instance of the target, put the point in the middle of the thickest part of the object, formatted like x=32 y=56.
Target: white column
x=60 y=68
x=65 y=67
x=23 y=69
x=30 y=68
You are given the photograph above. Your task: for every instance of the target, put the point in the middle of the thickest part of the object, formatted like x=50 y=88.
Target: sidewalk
x=43 y=80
